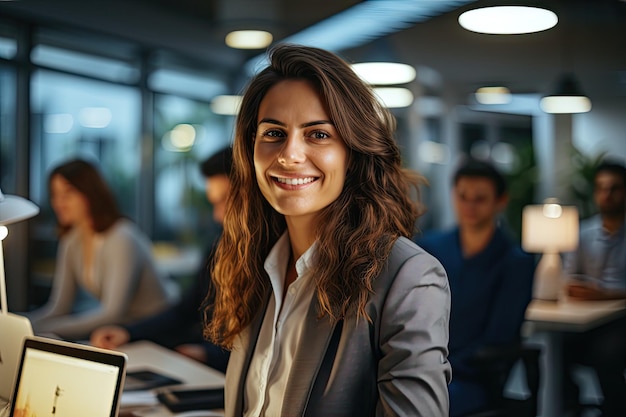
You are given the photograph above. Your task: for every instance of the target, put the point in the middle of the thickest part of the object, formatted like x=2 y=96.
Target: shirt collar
x=276 y=263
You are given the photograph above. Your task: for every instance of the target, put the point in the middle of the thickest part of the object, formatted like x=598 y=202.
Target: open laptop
x=58 y=378
x=13 y=330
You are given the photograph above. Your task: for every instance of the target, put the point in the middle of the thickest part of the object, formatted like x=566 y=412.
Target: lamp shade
x=566 y=98
x=549 y=228
x=14 y=209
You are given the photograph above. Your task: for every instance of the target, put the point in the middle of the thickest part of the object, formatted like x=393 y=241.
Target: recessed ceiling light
x=394 y=97
x=227 y=105
x=249 y=39
x=384 y=73
x=508 y=20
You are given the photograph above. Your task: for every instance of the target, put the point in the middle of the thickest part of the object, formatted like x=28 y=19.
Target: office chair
x=495 y=365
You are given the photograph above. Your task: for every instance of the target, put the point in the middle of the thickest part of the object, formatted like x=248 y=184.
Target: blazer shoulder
x=405 y=248
x=413 y=260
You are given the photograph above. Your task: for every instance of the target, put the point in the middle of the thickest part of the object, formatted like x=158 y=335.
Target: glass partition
x=186 y=132
x=77 y=117
x=72 y=117
x=8 y=169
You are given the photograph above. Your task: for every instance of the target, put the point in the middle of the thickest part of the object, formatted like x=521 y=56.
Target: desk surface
x=546 y=321
x=572 y=315
x=148 y=355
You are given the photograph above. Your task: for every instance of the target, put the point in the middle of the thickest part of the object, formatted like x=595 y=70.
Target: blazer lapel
x=316 y=335
x=238 y=369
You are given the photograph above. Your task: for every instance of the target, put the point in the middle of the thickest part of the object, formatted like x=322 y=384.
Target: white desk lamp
x=12 y=209
x=549 y=229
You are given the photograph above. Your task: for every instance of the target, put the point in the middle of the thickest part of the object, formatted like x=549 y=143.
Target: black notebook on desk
x=187 y=399
x=146 y=379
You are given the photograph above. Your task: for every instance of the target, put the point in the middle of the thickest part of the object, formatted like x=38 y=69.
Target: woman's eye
x=320 y=135
x=273 y=133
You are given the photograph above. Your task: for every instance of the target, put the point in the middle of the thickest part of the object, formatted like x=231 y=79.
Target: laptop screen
x=65 y=379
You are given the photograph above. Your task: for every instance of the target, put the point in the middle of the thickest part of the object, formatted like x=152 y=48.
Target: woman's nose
x=293 y=151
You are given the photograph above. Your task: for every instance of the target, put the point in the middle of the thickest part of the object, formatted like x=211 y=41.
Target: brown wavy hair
x=84 y=176
x=355 y=233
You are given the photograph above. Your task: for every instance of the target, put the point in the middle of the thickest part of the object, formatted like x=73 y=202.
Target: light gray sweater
x=123 y=279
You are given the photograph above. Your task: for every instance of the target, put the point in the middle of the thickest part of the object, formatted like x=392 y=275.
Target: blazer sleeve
x=413 y=370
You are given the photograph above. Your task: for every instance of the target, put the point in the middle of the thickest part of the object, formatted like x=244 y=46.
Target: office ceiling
x=590 y=38
x=589 y=41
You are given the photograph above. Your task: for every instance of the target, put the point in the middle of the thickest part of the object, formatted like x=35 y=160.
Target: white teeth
x=295 y=181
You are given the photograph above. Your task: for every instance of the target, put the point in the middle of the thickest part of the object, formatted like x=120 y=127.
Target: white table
x=547 y=321
x=148 y=355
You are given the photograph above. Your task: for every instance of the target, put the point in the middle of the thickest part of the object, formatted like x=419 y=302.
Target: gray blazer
x=395 y=365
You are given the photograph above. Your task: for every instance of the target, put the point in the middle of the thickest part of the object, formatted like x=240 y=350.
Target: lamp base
x=548 y=278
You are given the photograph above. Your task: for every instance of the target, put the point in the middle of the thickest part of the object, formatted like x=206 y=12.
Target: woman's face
x=70 y=205
x=299 y=158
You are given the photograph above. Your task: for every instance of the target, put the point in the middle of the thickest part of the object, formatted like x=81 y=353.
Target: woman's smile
x=294 y=181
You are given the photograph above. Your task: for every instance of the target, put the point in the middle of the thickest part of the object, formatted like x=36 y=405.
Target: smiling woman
x=314 y=274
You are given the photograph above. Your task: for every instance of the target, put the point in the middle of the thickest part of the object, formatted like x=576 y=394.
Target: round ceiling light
x=384 y=73
x=249 y=39
x=508 y=20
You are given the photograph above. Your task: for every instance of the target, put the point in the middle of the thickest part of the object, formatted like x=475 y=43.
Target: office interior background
x=125 y=82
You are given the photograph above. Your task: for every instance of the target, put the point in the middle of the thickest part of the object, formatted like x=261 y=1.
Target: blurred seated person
x=105 y=272
x=490 y=278
x=600 y=264
x=180 y=326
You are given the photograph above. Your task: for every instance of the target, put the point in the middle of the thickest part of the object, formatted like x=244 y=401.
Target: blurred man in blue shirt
x=490 y=278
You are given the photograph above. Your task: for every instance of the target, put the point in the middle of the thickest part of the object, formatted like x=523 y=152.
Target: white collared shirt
x=279 y=337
